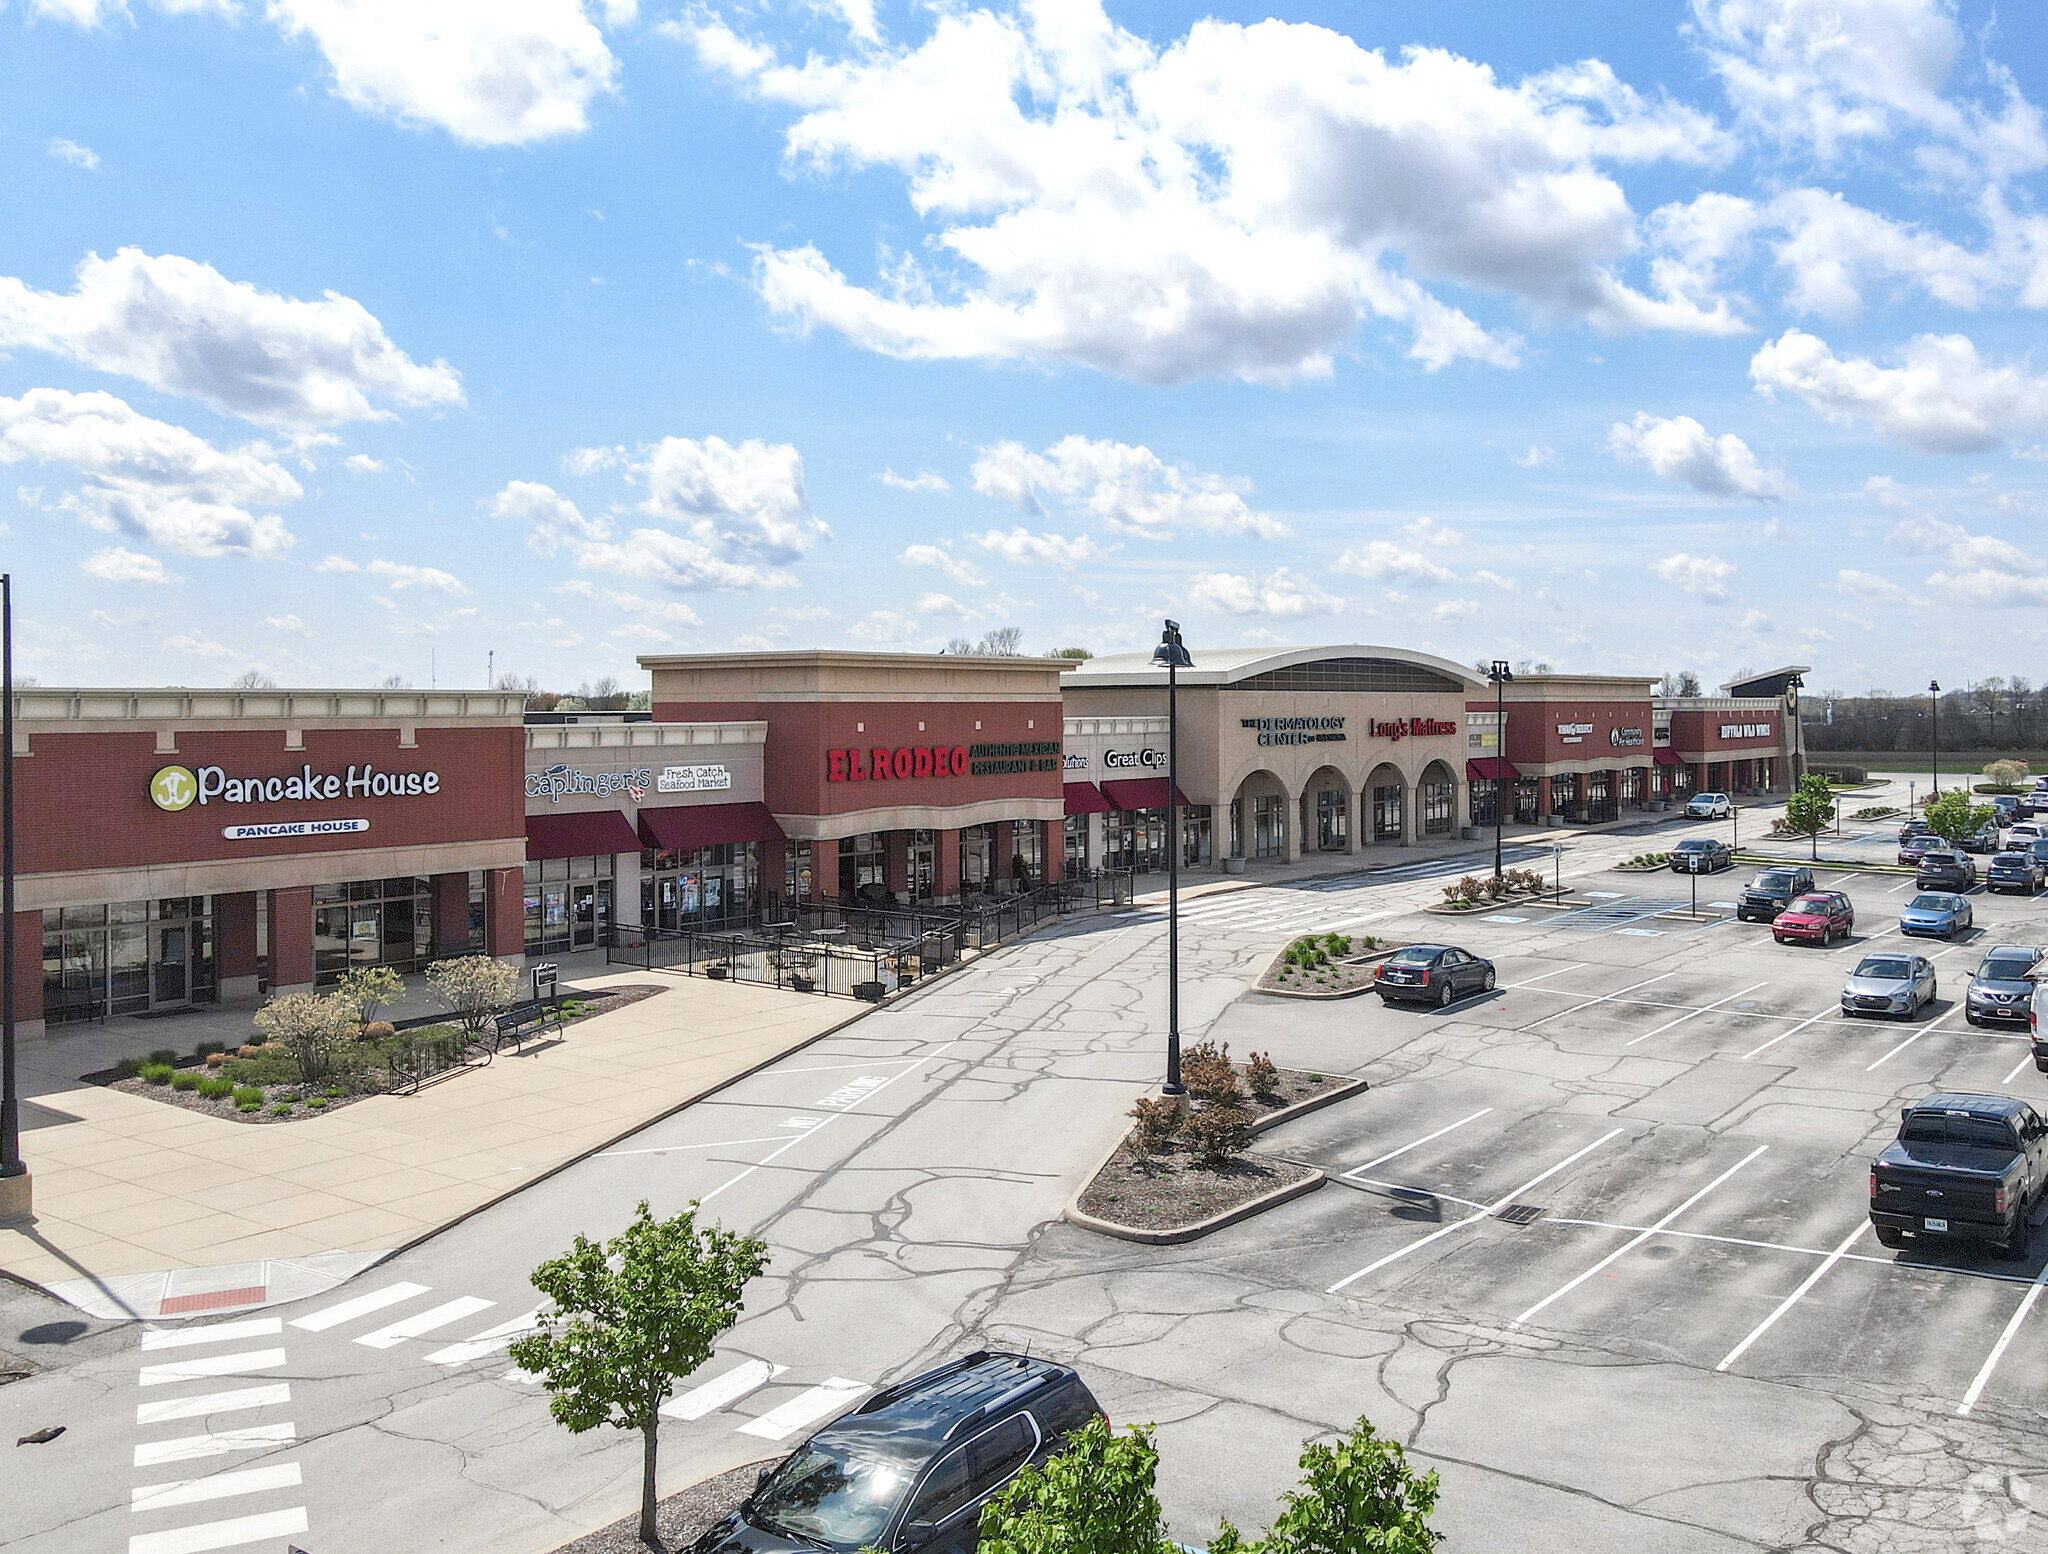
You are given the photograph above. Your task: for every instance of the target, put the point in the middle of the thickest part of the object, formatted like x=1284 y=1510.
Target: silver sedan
x=1889 y=984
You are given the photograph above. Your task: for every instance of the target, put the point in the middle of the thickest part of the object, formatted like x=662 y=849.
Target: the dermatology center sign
x=176 y=788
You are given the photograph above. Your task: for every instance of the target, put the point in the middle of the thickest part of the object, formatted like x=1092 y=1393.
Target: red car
x=1819 y=917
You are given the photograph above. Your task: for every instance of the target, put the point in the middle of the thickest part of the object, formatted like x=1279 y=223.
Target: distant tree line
x=1992 y=714
x=604 y=694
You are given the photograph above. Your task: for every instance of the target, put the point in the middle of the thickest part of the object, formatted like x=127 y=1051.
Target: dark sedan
x=1913 y=848
x=1945 y=871
x=1701 y=855
x=2002 y=991
x=1433 y=974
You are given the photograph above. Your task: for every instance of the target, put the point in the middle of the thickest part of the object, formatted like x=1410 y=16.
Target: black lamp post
x=1174 y=656
x=12 y=1166
x=1934 y=706
x=1499 y=674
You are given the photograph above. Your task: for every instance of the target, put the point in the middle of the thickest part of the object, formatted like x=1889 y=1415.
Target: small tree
x=2006 y=774
x=474 y=988
x=1811 y=810
x=1157 y=1118
x=1216 y=1133
x=1095 y=1497
x=1952 y=817
x=366 y=989
x=631 y=1317
x=1355 y=1496
x=312 y=1028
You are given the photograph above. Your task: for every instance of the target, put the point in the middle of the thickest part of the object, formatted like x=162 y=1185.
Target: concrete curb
x=1314 y=1103
x=1302 y=992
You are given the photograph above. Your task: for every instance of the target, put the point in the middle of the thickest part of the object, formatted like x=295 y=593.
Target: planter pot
x=1471 y=833
x=802 y=984
x=1554 y=820
x=869 y=992
x=1233 y=866
x=717 y=973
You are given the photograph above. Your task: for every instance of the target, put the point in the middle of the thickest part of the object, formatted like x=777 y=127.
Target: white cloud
x=886 y=628
x=1126 y=487
x=1706 y=576
x=673 y=611
x=1506 y=585
x=337 y=564
x=78 y=156
x=1981 y=571
x=944 y=607
x=1944 y=398
x=291 y=625
x=744 y=500
x=1383 y=558
x=1281 y=594
x=1867 y=585
x=800 y=612
x=1678 y=448
x=1236 y=204
x=593 y=461
x=1537 y=456
x=147 y=478
x=639 y=631
x=114 y=564
x=363 y=464
x=1427 y=531
x=198 y=644
x=923 y=480
x=673 y=562
x=489 y=72
x=941 y=557
x=1454 y=610
x=1020 y=545
x=551 y=519
x=399 y=574
x=184 y=328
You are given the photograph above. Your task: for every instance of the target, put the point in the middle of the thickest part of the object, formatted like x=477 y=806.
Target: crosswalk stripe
x=828 y=1397
x=212 y=1365
x=215 y=1443
x=221 y=1535
x=489 y=1341
x=220 y=1332
x=207 y=1403
x=347 y=1311
x=722 y=1390
x=426 y=1322
x=216 y=1486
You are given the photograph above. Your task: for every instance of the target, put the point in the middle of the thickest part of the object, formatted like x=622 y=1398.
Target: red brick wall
x=1700 y=731
x=1533 y=735
x=234 y=935
x=291 y=937
x=28 y=964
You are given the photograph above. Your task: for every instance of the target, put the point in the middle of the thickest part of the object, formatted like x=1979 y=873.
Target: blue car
x=1938 y=914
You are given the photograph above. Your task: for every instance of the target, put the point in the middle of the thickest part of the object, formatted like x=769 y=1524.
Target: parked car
x=2005 y=808
x=1913 y=828
x=2037 y=849
x=2002 y=988
x=1889 y=984
x=1940 y=914
x=1764 y=897
x=1964 y=1169
x=1431 y=973
x=1916 y=846
x=911 y=1467
x=2025 y=831
x=1702 y=855
x=1708 y=806
x=1985 y=839
x=2022 y=872
x=1944 y=870
x=1818 y=917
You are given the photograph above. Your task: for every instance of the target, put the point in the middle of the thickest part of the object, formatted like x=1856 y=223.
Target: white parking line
x=1796 y=1296
x=221 y=1535
x=1494 y=1208
x=827 y=1397
x=212 y=1365
x=1574 y=966
x=721 y=1390
x=1709 y=1009
x=348 y=1310
x=220 y=1332
x=679 y=1149
x=1604 y=998
x=1440 y=1132
x=1782 y=1035
x=1638 y=1239
x=425 y=1322
x=215 y=1486
x=2004 y=1339
x=2023 y=1062
x=1902 y=1046
x=206 y=1404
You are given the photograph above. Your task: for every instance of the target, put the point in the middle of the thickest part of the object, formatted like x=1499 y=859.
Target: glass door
x=582 y=916
x=170 y=966
x=1331 y=821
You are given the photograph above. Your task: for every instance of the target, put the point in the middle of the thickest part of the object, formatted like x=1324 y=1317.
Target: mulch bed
x=1294 y=1087
x=680 y=1519
x=224 y=1107
x=1170 y=1191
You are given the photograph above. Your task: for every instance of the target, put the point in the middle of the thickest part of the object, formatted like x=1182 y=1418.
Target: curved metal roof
x=1230 y=666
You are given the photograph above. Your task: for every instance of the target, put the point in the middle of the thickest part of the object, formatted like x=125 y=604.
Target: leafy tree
x=366 y=989
x=1095 y=1497
x=630 y=1318
x=312 y=1028
x=1811 y=809
x=1953 y=817
x=474 y=988
x=1356 y=1497
x=2006 y=774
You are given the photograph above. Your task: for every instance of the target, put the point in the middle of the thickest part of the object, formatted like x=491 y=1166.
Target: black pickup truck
x=1964 y=1168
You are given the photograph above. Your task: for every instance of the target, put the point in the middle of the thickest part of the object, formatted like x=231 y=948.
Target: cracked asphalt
x=1680 y=1351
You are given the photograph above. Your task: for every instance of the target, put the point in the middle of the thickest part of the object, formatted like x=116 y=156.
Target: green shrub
x=335 y=1092
x=248 y=1106
x=316 y=1103
x=1215 y=1133
x=165 y=1055
x=215 y=1088
x=1095 y=1497
x=206 y=1049
x=248 y=1097
x=157 y=1073
x=187 y=1079
x=129 y=1068
x=270 y=1066
x=281 y=1109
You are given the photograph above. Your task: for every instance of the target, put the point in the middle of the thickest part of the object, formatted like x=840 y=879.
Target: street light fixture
x=1934 y=704
x=1499 y=674
x=1174 y=655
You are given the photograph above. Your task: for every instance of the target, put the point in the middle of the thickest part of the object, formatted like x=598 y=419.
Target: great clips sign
x=911 y=763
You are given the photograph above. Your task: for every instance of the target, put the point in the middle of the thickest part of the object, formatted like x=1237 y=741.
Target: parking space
x=1658 y=1143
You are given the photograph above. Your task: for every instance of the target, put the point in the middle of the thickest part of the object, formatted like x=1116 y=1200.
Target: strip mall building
x=180 y=847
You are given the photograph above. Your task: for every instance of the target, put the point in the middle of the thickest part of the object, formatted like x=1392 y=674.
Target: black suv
x=1771 y=892
x=910 y=1468
x=2002 y=989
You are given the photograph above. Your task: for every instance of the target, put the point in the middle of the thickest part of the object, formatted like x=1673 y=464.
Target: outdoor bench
x=524 y=1020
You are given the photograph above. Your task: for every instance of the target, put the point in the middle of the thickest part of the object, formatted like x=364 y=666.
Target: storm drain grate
x=1522 y=1213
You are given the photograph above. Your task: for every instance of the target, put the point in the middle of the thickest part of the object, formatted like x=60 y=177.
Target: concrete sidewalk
x=128 y=1186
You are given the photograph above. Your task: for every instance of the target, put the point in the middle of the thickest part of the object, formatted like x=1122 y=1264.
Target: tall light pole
x=1499 y=674
x=14 y=1188
x=1934 y=726
x=1174 y=656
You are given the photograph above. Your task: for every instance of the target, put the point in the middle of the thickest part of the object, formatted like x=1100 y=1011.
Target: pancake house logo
x=908 y=763
x=1411 y=728
x=174 y=788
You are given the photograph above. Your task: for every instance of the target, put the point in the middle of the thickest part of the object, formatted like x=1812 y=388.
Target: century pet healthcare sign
x=175 y=788
x=907 y=763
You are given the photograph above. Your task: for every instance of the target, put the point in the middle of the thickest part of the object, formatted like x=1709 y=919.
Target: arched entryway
x=1260 y=827
x=1384 y=818
x=1328 y=812
x=1436 y=802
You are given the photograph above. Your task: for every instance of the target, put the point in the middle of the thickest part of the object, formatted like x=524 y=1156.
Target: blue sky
x=343 y=339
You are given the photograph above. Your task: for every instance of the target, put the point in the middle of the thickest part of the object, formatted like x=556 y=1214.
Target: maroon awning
x=1084 y=798
x=579 y=835
x=1667 y=758
x=1138 y=793
x=683 y=828
x=1489 y=767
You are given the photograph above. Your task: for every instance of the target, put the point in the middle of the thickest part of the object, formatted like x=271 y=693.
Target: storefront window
x=710 y=887
x=1027 y=854
x=1075 y=836
x=1195 y=826
x=1269 y=826
x=1439 y=808
x=127 y=958
x=382 y=922
x=1483 y=800
x=1528 y=792
x=1134 y=839
x=1600 y=806
x=1386 y=813
x=1332 y=824
x=977 y=859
